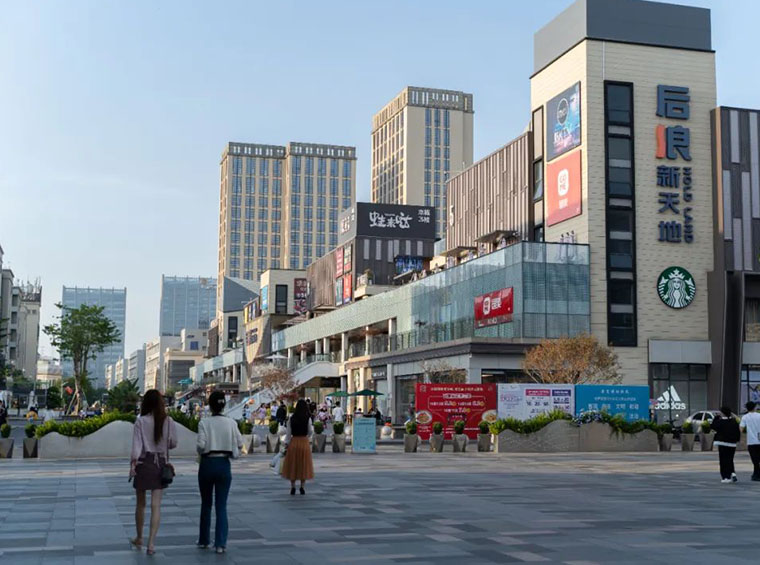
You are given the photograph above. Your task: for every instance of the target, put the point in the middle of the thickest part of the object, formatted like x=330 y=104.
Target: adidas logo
x=670 y=400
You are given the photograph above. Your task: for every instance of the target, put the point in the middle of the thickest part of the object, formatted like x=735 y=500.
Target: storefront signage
x=265 y=298
x=299 y=295
x=347 y=259
x=363 y=438
x=632 y=402
x=339 y=262
x=388 y=221
x=449 y=403
x=347 y=289
x=338 y=291
x=563 y=189
x=494 y=308
x=563 y=122
x=524 y=401
x=674 y=183
x=676 y=287
x=406 y=263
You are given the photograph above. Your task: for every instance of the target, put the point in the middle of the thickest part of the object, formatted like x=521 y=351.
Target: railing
x=297 y=363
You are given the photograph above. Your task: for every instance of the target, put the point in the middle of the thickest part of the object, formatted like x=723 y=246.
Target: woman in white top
x=219 y=440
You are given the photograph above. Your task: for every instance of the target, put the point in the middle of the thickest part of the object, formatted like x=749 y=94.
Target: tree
x=124 y=397
x=572 y=360
x=54 y=400
x=279 y=383
x=440 y=372
x=79 y=335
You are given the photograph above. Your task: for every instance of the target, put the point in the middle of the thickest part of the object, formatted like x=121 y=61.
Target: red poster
x=494 y=308
x=447 y=403
x=563 y=189
x=347 y=289
x=339 y=262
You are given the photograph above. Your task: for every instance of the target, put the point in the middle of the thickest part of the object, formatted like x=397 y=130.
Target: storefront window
x=404 y=404
x=750 y=389
x=679 y=390
x=381 y=386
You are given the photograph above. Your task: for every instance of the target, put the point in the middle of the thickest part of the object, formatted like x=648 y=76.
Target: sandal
x=150 y=551
x=135 y=543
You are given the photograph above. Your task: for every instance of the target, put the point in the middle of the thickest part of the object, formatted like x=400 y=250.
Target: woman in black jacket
x=727 y=435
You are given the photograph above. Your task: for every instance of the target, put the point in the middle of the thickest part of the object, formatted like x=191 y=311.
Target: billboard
x=338 y=291
x=406 y=263
x=339 y=262
x=264 y=298
x=494 y=308
x=524 y=401
x=347 y=259
x=563 y=189
x=299 y=295
x=632 y=402
x=387 y=220
x=447 y=403
x=347 y=289
x=563 y=122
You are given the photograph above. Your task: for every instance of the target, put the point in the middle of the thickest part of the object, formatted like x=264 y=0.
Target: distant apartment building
x=28 y=327
x=9 y=302
x=154 y=361
x=194 y=340
x=419 y=139
x=136 y=368
x=279 y=206
x=48 y=372
x=114 y=303
x=186 y=302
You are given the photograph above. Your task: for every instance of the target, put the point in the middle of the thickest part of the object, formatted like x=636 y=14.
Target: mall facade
x=629 y=208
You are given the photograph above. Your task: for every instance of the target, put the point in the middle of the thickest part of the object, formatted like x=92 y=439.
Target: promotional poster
x=448 y=403
x=563 y=189
x=563 y=122
x=494 y=308
x=524 y=401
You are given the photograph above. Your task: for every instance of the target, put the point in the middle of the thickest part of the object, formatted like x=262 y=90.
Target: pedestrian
x=298 y=465
x=219 y=440
x=751 y=423
x=153 y=436
x=282 y=414
x=337 y=412
x=3 y=414
x=727 y=434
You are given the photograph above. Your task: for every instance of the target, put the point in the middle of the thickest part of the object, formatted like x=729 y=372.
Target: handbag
x=276 y=463
x=167 y=471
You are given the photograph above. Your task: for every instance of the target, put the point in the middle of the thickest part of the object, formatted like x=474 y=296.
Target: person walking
x=153 y=436
x=282 y=414
x=338 y=413
x=219 y=440
x=727 y=434
x=751 y=423
x=298 y=465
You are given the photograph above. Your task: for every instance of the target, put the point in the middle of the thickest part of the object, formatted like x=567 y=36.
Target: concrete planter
x=6 y=448
x=563 y=436
x=460 y=443
x=273 y=443
x=318 y=443
x=30 y=447
x=687 y=442
x=436 y=443
x=666 y=442
x=411 y=442
x=247 y=444
x=484 y=443
x=706 y=441
x=339 y=443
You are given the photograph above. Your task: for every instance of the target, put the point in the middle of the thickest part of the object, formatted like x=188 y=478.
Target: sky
x=114 y=114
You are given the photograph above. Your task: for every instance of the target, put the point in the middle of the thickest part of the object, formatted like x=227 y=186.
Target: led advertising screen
x=563 y=122
x=563 y=189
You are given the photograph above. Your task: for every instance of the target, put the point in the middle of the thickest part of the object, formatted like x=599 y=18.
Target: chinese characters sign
x=525 y=401
x=299 y=295
x=494 y=308
x=563 y=122
x=632 y=402
x=563 y=192
x=339 y=262
x=347 y=290
x=674 y=179
x=380 y=220
x=448 y=403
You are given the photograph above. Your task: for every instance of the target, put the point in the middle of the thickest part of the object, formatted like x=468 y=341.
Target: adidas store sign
x=670 y=400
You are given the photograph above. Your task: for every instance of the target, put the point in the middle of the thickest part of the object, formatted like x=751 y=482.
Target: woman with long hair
x=298 y=465
x=219 y=440
x=154 y=435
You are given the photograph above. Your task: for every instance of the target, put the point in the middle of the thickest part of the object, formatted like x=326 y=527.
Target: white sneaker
x=726 y=481
x=734 y=478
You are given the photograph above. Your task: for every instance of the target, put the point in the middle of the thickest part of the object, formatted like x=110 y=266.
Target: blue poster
x=265 y=299
x=563 y=122
x=363 y=439
x=632 y=401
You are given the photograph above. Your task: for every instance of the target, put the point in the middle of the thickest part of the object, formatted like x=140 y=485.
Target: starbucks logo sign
x=676 y=287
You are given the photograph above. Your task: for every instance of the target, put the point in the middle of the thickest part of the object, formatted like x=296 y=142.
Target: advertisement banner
x=363 y=438
x=347 y=259
x=524 y=401
x=448 y=403
x=347 y=289
x=299 y=295
x=338 y=292
x=406 y=263
x=563 y=122
x=265 y=298
x=494 y=308
x=339 y=262
x=563 y=189
x=632 y=402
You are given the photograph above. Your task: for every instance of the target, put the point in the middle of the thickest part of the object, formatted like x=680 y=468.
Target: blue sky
x=114 y=114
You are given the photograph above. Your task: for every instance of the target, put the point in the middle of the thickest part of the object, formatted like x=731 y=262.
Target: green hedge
x=190 y=422
x=528 y=426
x=245 y=427
x=618 y=423
x=5 y=431
x=81 y=428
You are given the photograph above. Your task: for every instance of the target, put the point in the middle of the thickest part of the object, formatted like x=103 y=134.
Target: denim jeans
x=214 y=478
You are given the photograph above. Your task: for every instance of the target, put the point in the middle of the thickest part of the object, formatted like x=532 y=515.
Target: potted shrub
x=6 y=442
x=246 y=430
x=319 y=440
x=687 y=437
x=484 y=437
x=707 y=437
x=273 y=438
x=30 y=442
x=460 y=439
x=436 y=438
x=665 y=436
x=339 y=438
x=411 y=439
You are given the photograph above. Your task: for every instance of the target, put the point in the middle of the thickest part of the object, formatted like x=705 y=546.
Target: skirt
x=148 y=474
x=298 y=465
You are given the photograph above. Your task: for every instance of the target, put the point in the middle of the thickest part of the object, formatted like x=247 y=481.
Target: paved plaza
x=392 y=507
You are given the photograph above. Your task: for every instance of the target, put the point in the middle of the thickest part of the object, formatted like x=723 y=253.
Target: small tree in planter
x=411 y=439
x=246 y=430
x=30 y=442
x=6 y=442
x=687 y=437
x=665 y=435
x=484 y=437
x=706 y=437
x=273 y=438
x=339 y=438
x=436 y=438
x=319 y=440
x=460 y=439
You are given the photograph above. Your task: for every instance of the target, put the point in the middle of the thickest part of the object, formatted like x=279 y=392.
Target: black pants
x=754 y=454
x=726 y=457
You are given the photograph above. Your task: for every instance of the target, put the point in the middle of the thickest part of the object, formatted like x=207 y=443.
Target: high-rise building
x=114 y=303
x=136 y=368
x=419 y=139
x=186 y=302
x=279 y=206
x=30 y=302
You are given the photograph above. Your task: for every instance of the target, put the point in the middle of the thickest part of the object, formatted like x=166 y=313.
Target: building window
x=281 y=299
x=679 y=389
x=538 y=180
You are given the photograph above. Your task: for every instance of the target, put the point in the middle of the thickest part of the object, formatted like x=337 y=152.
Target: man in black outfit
x=282 y=414
x=727 y=434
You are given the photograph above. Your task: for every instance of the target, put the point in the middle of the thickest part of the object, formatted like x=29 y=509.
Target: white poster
x=524 y=401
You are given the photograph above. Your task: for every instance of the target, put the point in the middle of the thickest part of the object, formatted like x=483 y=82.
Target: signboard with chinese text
x=631 y=401
x=347 y=259
x=387 y=220
x=338 y=291
x=494 y=308
x=363 y=438
x=448 y=403
x=347 y=289
x=563 y=122
x=299 y=295
x=525 y=401
x=339 y=262
x=563 y=189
